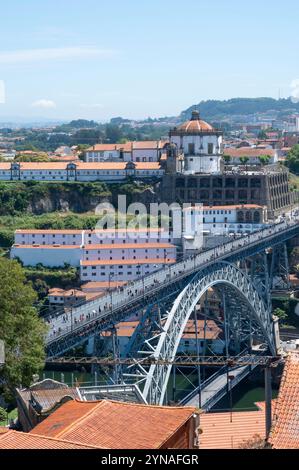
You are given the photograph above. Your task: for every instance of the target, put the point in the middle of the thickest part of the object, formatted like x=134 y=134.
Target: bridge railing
x=95 y=310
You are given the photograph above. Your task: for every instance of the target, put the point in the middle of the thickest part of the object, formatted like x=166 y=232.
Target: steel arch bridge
x=247 y=314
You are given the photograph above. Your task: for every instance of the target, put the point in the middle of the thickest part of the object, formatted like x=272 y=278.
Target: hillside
x=215 y=109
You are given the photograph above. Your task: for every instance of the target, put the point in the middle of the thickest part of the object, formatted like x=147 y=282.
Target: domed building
x=200 y=144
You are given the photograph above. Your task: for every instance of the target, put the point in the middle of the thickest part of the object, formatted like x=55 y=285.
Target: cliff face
x=40 y=198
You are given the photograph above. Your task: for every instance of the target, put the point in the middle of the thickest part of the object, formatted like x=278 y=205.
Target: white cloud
x=2 y=92
x=44 y=104
x=37 y=55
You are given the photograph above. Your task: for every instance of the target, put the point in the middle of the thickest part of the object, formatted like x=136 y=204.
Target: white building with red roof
x=201 y=145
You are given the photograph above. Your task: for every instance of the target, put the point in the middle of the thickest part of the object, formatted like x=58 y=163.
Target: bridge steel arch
x=164 y=346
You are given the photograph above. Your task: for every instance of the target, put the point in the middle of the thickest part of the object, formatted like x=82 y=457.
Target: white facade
x=99 y=256
x=79 y=171
x=204 y=221
x=50 y=256
x=143 y=151
x=200 y=144
x=120 y=270
x=49 y=237
x=202 y=154
x=159 y=251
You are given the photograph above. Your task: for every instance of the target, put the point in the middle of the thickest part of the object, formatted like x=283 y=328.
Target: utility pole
x=268 y=400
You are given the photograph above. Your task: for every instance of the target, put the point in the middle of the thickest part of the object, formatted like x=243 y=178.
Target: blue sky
x=137 y=58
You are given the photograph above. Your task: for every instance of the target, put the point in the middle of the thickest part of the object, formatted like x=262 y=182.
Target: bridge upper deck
x=98 y=310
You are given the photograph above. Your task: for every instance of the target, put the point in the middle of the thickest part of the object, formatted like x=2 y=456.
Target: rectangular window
x=191 y=149
x=210 y=149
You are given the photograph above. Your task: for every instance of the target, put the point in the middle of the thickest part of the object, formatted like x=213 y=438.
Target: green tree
x=3 y=414
x=262 y=135
x=227 y=159
x=244 y=160
x=280 y=314
x=21 y=329
x=292 y=160
x=41 y=157
x=264 y=159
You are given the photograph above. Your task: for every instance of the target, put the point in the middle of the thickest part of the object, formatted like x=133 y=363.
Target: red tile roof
x=22 y=440
x=285 y=426
x=218 y=432
x=248 y=152
x=195 y=126
x=115 y=425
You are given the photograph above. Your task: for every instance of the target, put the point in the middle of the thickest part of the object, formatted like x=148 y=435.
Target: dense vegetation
x=20 y=328
x=86 y=133
x=215 y=109
x=292 y=160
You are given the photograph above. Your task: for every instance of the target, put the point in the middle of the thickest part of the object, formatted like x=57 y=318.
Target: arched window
x=257 y=217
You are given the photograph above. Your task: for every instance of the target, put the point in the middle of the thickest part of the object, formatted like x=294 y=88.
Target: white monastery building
x=200 y=144
x=79 y=171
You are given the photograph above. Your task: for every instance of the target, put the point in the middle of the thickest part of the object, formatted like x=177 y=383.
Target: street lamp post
x=110 y=290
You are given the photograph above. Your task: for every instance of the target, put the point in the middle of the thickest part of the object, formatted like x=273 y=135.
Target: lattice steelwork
x=248 y=315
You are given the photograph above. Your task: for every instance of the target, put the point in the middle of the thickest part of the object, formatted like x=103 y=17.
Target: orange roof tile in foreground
x=218 y=432
x=285 y=426
x=115 y=425
x=23 y=440
x=120 y=262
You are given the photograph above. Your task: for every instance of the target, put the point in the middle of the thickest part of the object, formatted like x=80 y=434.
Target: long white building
x=102 y=255
x=79 y=171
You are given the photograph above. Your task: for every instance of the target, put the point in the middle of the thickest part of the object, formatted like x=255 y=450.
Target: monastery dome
x=195 y=125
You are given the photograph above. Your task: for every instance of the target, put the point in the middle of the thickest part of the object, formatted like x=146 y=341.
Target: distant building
x=211 y=334
x=139 y=151
x=252 y=155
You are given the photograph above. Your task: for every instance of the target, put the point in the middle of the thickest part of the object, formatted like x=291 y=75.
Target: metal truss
x=149 y=300
x=244 y=302
x=236 y=361
x=76 y=337
x=279 y=273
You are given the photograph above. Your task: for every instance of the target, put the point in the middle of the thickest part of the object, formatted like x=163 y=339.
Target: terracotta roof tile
x=285 y=428
x=114 y=425
x=22 y=440
x=218 y=432
x=248 y=152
